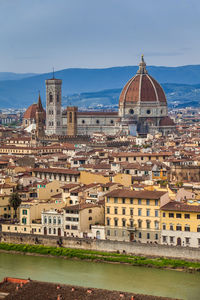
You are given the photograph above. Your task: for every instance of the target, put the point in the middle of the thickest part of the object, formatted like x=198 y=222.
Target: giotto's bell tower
x=53 y=106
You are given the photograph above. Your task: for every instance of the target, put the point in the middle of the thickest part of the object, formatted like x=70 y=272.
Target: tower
x=53 y=106
x=72 y=120
x=40 y=120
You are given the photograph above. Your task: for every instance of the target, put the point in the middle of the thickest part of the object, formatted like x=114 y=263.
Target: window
x=108 y=210
x=178 y=216
x=54 y=220
x=164 y=226
x=25 y=229
x=111 y=121
x=148 y=111
x=123 y=211
x=24 y=212
x=198 y=229
x=139 y=211
x=156 y=236
x=148 y=236
x=171 y=239
x=54 y=231
x=187 y=228
x=115 y=210
x=73 y=227
x=123 y=222
x=97 y=121
x=50 y=97
x=156 y=213
x=90 y=218
x=140 y=235
x=164 y=239
x=187 y=216
x=123 y=200
x=49 y=230
x=156 y=224
x=187 y=240
x=131 y=201
x=90 y=211
x=115 y=232
x=108 y=222
x=178 y=227
x=131 y=111
x=139 y=223
x=23 y=220
x=59 y=221
x=70 y=117
x=123 y=233
x=163 y=215
x=108 y=199
x=83 y=121
x=171 y=227
x=147 y=202
x=148 y=224
x=116 y=222
x=139 y=201
x=67 y=227
x=115 y=200
x=198 y=242
x=49 y=220
x=198 y=216
x=156 y=202
x=131 y=211
x=171 y=215
x=148 y=212
x=131 y=223
x=108 y=232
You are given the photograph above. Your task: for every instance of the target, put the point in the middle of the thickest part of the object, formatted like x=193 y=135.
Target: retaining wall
x=103 y=245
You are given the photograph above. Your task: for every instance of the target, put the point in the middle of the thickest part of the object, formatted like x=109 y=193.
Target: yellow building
x=134 y=215
x=180 y=224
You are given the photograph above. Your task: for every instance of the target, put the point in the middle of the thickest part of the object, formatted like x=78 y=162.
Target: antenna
x=53 y=73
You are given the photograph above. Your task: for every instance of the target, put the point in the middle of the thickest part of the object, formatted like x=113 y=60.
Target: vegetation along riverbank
x=111 y=257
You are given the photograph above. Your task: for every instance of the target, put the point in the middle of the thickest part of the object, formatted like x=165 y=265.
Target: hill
x=180 y=83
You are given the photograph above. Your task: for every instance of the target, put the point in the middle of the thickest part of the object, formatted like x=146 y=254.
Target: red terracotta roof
x=166 y=121
x=30 y=113
x=144 y=88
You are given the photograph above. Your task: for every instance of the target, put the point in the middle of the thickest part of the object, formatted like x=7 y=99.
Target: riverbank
x=97 y=256
x=13 y=288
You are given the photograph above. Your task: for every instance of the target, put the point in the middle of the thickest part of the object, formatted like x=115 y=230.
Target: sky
x=37 y=35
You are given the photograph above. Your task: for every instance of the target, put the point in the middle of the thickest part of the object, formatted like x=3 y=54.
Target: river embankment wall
x=103 y=245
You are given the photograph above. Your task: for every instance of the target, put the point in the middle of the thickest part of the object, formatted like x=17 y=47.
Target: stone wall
x=103 y=245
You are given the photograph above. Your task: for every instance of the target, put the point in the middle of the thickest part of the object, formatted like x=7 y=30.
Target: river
x=101 y=275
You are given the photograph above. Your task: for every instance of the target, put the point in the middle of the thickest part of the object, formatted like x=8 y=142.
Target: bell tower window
x=50 y=98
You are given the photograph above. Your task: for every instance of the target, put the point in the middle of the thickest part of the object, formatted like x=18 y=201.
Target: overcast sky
x=36 y=35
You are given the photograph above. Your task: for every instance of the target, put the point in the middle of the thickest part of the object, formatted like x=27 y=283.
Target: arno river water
x=101 y=275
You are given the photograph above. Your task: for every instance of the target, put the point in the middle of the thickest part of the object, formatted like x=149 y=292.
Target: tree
x=15 y=202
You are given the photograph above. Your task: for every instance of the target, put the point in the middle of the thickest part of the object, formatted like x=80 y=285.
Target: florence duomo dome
x=143 y=103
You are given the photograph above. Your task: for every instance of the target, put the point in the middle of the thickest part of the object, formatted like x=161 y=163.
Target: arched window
x=70 y=117
x=59 y=220
x=54 y=220
x=49 y=220
x=50 y=97
x=45 y=220
x=54 y=231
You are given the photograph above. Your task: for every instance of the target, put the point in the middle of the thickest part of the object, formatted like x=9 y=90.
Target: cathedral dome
x=142 y=88
x=30 y=113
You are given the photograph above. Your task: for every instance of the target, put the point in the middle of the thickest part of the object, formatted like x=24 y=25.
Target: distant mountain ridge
x=178 y=82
